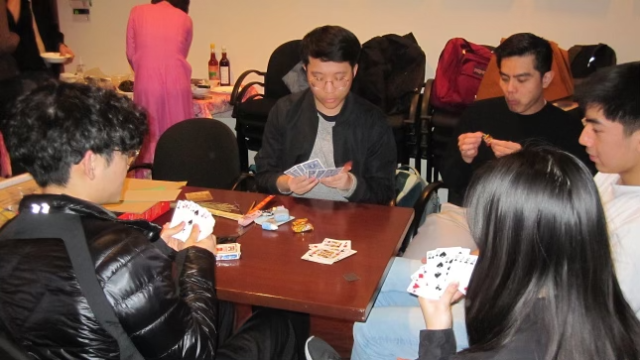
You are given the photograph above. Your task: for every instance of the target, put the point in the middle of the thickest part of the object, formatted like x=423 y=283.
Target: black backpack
x=586 y=59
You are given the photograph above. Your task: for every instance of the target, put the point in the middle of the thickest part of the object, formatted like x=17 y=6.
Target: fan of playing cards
x=192 y=213
x=444 y=266
x=312 y=169
x=329 y=251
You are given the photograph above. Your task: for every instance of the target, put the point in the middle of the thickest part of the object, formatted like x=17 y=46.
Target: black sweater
x=361 y=135
x=550 y=125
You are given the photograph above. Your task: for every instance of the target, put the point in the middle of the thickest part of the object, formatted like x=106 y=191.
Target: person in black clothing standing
x=496 y=127
x=36 y=23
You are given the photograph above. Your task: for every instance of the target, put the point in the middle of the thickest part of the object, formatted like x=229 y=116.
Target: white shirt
x=622 y=208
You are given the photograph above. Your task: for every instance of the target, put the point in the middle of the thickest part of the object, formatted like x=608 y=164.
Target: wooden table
x=271 y=272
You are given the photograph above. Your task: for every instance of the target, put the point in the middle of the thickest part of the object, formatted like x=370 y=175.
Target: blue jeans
x=393 y=327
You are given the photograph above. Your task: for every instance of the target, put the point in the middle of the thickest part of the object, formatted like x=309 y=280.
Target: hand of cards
x=312 y=169
x=192 y=213
x=444 y=266
x=329 y=251
x=228 y=251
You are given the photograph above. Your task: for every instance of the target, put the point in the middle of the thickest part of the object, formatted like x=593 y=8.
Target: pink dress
x=158 y=40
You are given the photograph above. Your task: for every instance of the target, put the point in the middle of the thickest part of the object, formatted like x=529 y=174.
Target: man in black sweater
x=496 y=127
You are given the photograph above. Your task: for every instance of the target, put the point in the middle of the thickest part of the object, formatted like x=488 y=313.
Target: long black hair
x=541 y=231
x=180 y=4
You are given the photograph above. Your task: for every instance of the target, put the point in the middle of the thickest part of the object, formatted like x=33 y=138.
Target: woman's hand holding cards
x=437 y=313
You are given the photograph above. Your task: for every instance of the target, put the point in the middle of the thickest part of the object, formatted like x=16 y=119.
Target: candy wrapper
x=487 y=139
x=301 y=225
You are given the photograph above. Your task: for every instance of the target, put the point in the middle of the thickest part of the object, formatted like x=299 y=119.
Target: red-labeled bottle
x=225 y=69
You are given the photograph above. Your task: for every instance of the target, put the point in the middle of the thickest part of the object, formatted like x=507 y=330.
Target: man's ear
x=355 y=70
x=547 y=78
x=88 y=165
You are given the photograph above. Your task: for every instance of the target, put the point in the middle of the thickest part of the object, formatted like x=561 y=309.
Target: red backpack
x=460 y=70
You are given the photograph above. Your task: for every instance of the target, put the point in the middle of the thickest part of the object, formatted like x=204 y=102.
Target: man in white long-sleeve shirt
x=611 y=99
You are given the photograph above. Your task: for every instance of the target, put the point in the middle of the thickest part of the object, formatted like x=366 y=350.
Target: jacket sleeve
x=437 y=345
x=376 y=182
x=169 y=311
x=8 y=40
x=269 y=158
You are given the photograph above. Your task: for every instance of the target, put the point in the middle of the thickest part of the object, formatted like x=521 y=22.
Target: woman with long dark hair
x=544 y=286
x=158 y=40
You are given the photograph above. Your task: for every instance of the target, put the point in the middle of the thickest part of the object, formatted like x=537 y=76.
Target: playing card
x=322 y=256
x=331 y=172
x=336 y=244
x=329 y=251
x=312 y=165
x=444 y=265
x=191 y=213
x=468 y=263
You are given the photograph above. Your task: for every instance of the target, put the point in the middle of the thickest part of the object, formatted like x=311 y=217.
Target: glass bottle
x=214 y=76
x=225 y=69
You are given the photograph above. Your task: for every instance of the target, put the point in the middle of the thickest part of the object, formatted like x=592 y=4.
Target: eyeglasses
x=337 y=84
x=132 y=156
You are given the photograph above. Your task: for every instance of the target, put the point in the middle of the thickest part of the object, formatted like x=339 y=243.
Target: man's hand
x=468 y=144
x=437 y=313
x=66 y=51
x=299 y=185
x=503 y=148
x=342 y=181
x=208 y=243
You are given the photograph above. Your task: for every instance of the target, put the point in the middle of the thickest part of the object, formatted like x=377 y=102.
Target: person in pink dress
x=158 y=40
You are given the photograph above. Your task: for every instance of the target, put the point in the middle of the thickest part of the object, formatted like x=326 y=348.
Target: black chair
x=251 y=114
x=390 y=75
x=202 y=152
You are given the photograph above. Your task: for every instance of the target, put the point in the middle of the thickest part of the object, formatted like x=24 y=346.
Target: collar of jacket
x=71 y=205
x=309 y=106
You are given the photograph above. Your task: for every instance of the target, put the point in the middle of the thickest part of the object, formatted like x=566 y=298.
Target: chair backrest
x=203 y=152
x=282 y=60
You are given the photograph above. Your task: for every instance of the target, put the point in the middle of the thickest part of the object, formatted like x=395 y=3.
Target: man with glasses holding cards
x=326 y=142
x=75 y=281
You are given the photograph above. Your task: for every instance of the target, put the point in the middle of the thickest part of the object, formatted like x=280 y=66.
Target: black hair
x=615 y=90
x=526 y=44
x=542 y=235
x=53 y=126
x=180 y=4
x=331 y=43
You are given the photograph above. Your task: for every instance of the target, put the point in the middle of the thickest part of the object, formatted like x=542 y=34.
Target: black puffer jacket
x=169 y=311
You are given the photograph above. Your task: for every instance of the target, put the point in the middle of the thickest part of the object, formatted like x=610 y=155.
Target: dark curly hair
x=52 y=127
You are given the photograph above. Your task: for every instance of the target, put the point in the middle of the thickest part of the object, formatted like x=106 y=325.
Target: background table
x=271 y=272
x=216 y=103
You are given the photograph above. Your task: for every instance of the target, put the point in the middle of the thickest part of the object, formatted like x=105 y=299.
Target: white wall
x=252 y=29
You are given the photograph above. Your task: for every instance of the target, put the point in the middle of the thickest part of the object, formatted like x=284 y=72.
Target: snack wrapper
x=301 y=225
